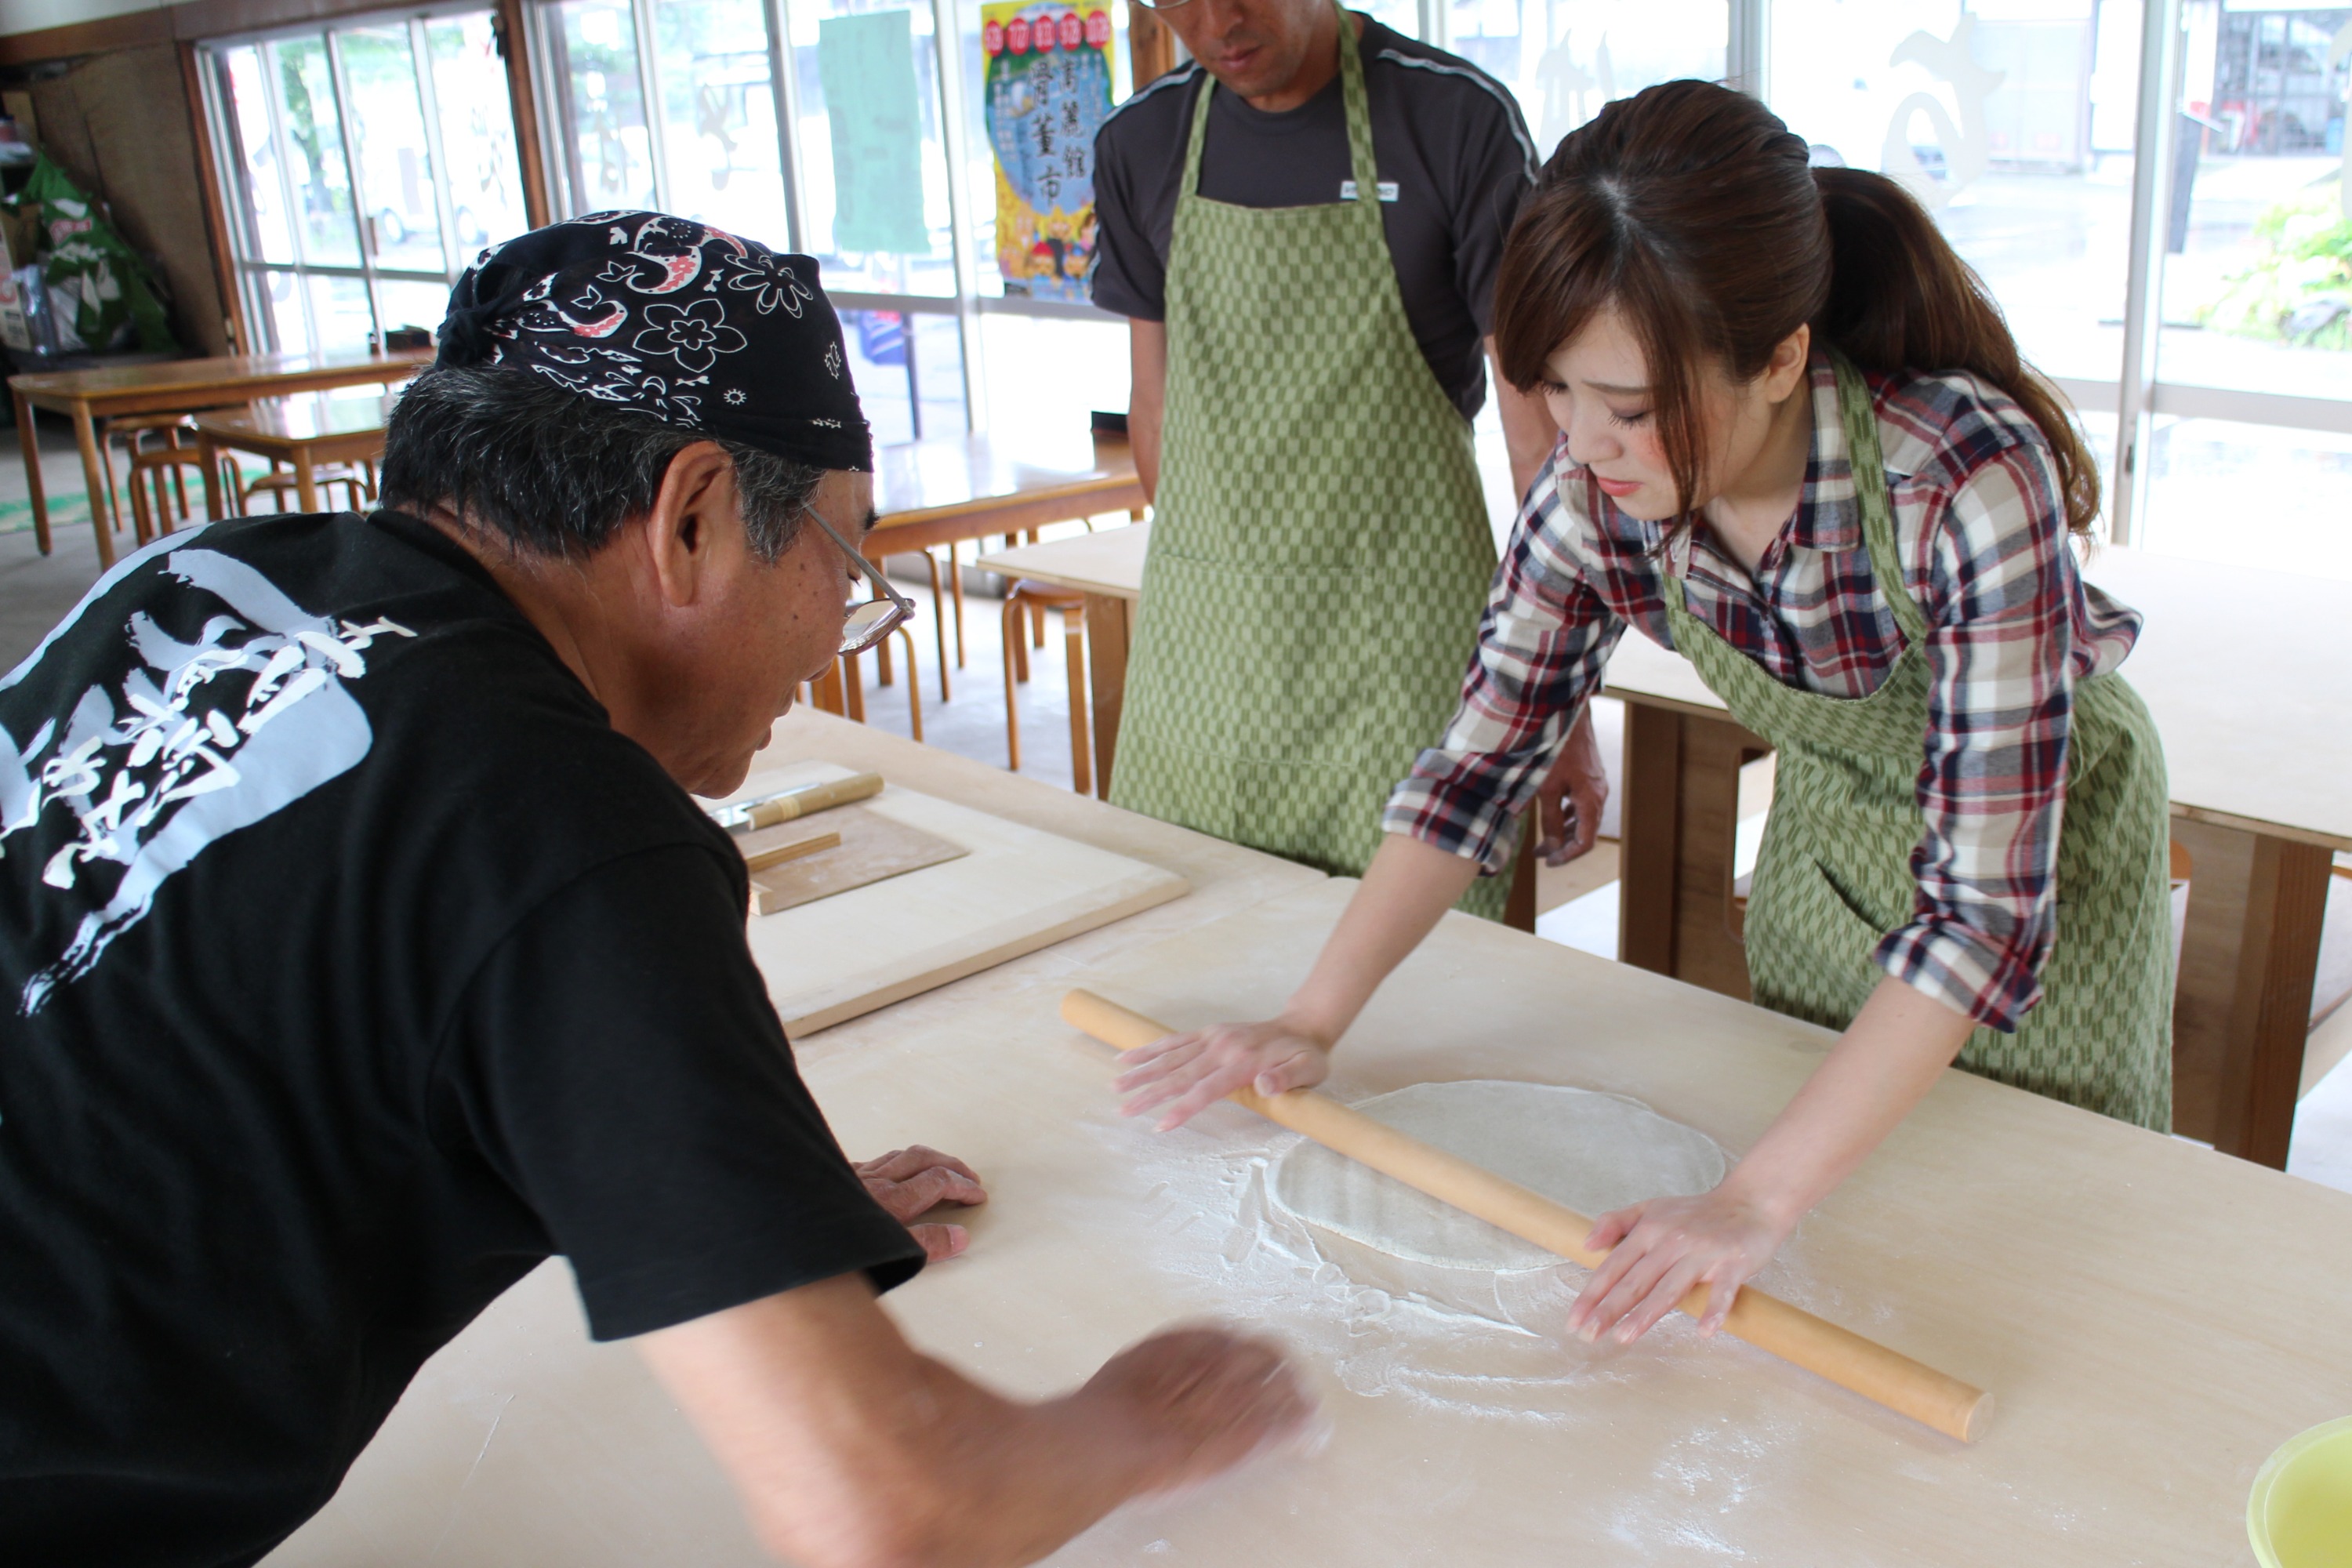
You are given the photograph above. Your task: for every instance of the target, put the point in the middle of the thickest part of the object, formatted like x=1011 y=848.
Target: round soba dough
x=1592 y=1151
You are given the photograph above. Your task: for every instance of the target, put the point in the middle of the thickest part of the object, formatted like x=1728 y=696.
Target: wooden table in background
x=953 y=488
x=175 y=386
x=1107 y=568
x=2250 y=681
x=309 y=433
x=2149 y=1341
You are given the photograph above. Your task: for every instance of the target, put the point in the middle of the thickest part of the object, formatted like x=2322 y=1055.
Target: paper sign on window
x=1048 y=91
x=866 y=66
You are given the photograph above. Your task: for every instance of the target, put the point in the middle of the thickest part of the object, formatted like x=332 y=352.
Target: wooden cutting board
x=1009 y=889
x=872 y=848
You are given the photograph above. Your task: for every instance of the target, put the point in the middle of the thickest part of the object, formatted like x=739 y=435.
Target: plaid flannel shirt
x=1980 y=527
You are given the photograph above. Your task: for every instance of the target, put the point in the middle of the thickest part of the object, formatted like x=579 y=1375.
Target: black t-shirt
x=1446 y=134
x=352 y=964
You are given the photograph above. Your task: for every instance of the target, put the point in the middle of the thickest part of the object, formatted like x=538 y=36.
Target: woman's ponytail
x=1692 y=210
x=1900 y=298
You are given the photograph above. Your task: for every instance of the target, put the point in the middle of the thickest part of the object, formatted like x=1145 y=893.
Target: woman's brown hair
x=1693 y=211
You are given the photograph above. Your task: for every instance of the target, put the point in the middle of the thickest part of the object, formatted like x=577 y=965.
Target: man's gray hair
x=555 y=473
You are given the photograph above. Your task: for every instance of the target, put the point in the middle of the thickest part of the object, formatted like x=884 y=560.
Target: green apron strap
x=1359 y=119
x=1866 y=461
x=1191 y=186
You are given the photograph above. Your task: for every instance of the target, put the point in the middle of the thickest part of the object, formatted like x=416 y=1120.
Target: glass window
x=297 y=72
x=718 y=116
x=2258 y=278
x=399 y=203
x=2011 y=119
x=334 y=145
x=908 y=366
x=884 y=126
x=468 y=85
x=604 y=143
x=1564 y=59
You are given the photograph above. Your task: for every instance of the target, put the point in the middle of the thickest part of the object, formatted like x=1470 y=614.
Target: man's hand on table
x=1569 y=800
x=852 y=1449
x=914 y=1181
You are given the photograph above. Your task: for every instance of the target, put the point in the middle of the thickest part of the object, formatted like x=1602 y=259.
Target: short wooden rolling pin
x=1789 y=1333
x=811 y=799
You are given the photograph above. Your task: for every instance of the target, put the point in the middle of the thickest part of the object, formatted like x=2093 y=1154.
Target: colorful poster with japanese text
x=1047 y=86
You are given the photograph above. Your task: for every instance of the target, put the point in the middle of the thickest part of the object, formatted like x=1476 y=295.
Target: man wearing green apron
x=1302 y=226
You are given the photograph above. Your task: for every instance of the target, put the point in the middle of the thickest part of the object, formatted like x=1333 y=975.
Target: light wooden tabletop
x=2152 y=1317
x=1109 y=561
x=947 y=474
x=2248 y=674
x=311 y=416
x=225 y=374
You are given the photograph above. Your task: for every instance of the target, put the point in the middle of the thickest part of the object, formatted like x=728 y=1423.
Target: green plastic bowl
x=2300 y=1513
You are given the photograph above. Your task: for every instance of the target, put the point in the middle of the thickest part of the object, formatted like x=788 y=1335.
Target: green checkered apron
x=1835 y=875
x=1319 y=551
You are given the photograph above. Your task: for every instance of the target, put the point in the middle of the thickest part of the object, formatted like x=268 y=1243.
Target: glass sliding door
x=332 y=146
x=2258 y=269
x=720 y=150
x=2012 y=122
x=604 y=155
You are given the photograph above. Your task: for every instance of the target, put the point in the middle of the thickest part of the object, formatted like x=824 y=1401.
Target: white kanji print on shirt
x=197 y=740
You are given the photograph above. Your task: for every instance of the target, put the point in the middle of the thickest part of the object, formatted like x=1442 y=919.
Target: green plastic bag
x=88 y=263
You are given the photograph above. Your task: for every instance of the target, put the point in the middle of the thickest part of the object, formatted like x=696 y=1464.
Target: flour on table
x=1592 y=1151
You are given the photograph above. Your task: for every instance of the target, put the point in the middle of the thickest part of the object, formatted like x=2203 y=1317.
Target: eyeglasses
x=870 y=622
x=1164 y=4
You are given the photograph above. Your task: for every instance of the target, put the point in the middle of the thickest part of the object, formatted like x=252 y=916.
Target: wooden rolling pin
x=1791 y=1333
x=793 y=804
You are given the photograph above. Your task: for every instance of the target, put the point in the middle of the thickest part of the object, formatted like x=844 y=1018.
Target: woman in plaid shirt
x=1967 y=855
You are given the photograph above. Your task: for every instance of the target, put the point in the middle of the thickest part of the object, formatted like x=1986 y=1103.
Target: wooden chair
x=357 y=482
x=955 y=597
x=842 y=690
x=127 y=428
x=1029 y=597
x=161 y=470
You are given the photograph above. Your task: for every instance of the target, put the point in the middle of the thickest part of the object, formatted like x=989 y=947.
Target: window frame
x=248 y=282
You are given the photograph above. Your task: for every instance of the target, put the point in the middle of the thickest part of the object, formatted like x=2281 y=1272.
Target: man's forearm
x=852 y=1450
x=1147 y=346
x=1528 y=433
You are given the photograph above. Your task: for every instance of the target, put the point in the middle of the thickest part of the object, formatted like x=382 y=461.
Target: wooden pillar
x=1152 y=44
x=523 y=95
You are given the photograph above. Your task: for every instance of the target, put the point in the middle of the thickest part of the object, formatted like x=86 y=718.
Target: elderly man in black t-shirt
x=363 y=948
x=1320 y=551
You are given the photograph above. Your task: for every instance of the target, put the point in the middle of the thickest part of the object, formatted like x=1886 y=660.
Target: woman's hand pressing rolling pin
x=1183 y=1074
x=1659 y=1249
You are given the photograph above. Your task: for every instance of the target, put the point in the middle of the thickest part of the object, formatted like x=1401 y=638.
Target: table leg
x=955 y=592
x=1681 y=822
x=31 y=441
x=86 y=437
x=2241 y=1010
x=1106 y=636
x=306 y=479
x=211 y=457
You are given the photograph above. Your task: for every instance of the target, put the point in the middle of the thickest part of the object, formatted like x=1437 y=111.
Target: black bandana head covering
x=687 y=323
